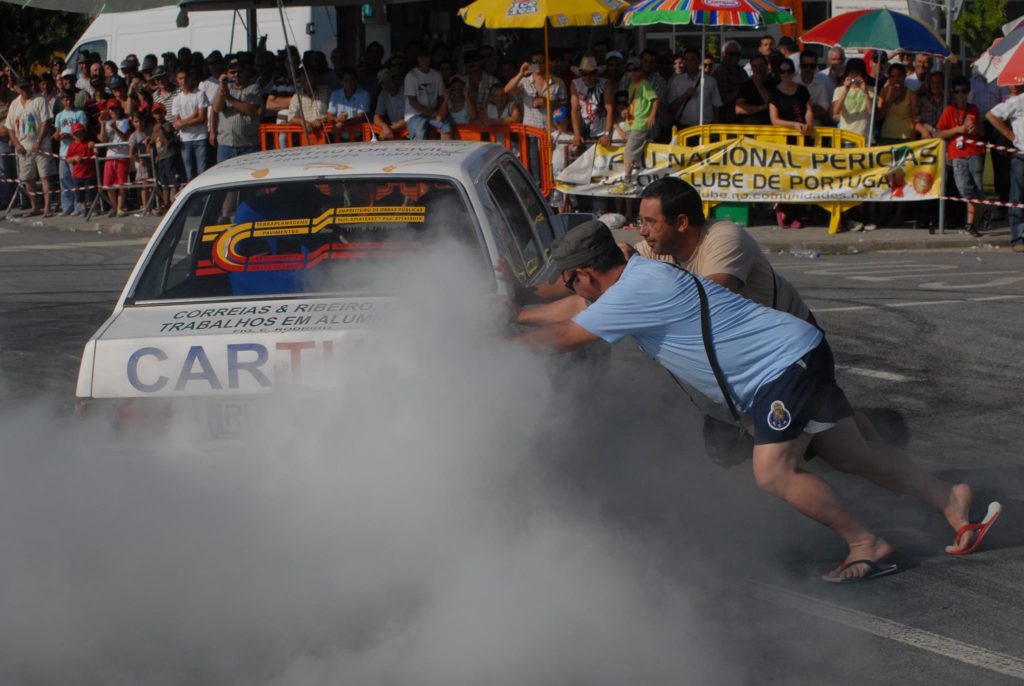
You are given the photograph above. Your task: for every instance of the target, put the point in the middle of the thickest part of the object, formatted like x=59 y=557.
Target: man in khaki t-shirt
x=725 y=249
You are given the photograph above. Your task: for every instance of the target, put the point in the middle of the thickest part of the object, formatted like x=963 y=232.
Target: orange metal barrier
x=514 y=137
x=820 y=137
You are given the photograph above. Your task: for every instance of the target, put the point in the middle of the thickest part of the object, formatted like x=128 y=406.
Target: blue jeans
x=418 y=123
x=1016 y=195
x=226 y=152
x=67 y=187
x=193 y=154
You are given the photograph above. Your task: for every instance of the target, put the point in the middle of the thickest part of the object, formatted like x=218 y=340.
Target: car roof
x=461 y=159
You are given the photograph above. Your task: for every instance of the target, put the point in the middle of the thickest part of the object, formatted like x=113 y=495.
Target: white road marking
x=950 y=648
x=875 y=374
x=78 y=244
x=3 y=230
x=919 y=303
x=906 y=275
x=942 y=285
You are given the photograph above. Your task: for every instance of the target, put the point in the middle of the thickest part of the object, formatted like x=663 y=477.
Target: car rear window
x=303 y=237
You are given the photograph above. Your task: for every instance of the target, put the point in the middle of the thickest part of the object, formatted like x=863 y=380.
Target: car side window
x=532 y=200
x=514 y=227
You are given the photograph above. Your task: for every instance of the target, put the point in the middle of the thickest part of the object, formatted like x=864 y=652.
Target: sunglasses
x=787 y=71
x=570 y=283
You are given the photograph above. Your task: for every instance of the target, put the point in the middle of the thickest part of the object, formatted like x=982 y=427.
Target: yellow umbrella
x=535 y=14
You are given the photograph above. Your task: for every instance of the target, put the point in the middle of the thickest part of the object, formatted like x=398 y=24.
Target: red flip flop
x=982 y=527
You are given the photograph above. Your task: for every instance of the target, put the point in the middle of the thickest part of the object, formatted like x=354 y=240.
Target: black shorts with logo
x=805 y=397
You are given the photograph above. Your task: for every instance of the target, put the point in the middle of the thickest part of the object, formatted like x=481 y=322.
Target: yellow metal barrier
x=820 y=137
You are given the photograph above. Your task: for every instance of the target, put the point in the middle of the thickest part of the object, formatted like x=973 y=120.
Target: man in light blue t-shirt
x=775 y=367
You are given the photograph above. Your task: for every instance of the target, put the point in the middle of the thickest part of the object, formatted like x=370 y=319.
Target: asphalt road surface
x=928 y=340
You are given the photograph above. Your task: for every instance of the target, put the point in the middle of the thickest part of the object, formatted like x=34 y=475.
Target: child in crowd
x=562 y=152
x=138 y=151
x=81 y=156
x=115 y=129
x=164 y=144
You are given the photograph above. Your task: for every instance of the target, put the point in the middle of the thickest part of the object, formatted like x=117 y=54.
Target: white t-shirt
x=186 y=105
x=690 y=113
x=1012 y=112
x=25 y=119
x=818 y=91
x=427 y=88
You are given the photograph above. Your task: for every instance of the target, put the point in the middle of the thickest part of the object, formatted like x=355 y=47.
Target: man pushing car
x=757 y=361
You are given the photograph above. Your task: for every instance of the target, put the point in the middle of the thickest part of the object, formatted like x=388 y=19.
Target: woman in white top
x=501 y=109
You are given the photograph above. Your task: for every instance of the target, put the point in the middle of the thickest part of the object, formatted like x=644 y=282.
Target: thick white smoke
x=448 y=516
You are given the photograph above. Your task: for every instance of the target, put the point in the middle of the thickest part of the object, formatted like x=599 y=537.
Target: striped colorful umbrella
x=1004 y=61
x=706 y=13
x=877 y=30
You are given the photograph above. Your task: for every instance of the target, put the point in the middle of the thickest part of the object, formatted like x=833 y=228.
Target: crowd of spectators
x=167 y=119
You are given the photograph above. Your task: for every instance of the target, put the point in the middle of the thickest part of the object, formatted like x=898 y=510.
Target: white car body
x=240 y=336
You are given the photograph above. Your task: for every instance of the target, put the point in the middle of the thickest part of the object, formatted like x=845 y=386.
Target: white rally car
x=266 y=262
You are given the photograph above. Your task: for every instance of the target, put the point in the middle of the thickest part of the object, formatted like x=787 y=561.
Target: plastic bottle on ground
x=805 y=254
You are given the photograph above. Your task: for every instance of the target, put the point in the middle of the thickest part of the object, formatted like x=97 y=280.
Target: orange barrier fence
x=517 y=138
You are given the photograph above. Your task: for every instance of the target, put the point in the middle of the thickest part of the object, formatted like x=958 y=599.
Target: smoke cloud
x=449 y=515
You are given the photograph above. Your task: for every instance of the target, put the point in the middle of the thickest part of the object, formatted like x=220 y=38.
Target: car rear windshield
x=311 y=236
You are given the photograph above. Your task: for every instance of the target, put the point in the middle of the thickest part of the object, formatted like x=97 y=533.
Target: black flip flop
x=877 y=570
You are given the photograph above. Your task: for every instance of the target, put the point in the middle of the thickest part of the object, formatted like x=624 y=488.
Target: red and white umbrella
x=1003 y=62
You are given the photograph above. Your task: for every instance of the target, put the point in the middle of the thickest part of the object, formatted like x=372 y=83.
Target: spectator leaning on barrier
x=81 y=156
x=501 y=109
x=309 y=104
x=959 y=120
x=189 y=118
x=853 y=101
x=239 y=108
x=592 y=104
x=29 y=124
x=62 y=125
x=390 y=112
x=350 y=102
x=790 y=106
x=458 y=106
x=1008 y=119
x=424 y=94
x=115 y=129
x=897 y=105
x=752 y=99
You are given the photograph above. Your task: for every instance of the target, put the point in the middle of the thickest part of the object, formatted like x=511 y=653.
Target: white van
x=116 y=35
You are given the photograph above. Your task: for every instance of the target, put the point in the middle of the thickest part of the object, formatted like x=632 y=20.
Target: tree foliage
x=29 y=36
x=980 y=22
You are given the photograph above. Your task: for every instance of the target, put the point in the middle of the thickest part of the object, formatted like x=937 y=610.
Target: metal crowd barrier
x=100 y=199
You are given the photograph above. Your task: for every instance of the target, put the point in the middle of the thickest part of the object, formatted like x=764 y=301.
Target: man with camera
x=239 y=108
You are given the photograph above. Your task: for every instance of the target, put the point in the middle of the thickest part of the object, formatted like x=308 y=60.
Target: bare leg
x=844 y=448
x=45 y=183
x=775 y=469
x=33 y=201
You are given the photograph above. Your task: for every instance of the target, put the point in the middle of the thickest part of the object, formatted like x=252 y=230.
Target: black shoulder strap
x=709 y=345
